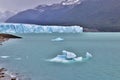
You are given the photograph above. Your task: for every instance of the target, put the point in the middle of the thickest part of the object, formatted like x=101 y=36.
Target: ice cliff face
x=27 y=28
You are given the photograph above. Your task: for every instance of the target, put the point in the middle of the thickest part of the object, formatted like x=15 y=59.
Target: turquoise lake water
x=29 y=54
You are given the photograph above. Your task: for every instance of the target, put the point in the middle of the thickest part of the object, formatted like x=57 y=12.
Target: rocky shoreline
x=4 y=73
x=5 y=37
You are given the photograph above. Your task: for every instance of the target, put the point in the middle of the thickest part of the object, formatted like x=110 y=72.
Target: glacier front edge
x=31 y=28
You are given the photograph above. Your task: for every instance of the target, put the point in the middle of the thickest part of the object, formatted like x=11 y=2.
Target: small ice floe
x=4 y=57
x=68 y=57
x=58 y=39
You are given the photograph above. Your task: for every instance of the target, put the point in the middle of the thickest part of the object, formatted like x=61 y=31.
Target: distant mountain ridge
x=102 y=15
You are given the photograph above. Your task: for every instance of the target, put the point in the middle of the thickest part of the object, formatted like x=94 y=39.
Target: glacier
x=31 y=28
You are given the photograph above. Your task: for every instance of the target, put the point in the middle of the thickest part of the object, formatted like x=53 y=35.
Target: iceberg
x=31 y=28
x=58 y=39
x=69 y=57
x=4 y=57
x=88 y=55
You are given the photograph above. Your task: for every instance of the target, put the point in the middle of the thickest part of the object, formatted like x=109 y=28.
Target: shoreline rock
x=5 y=37
x=2 y=35
x=7 y=75
x=4 y=75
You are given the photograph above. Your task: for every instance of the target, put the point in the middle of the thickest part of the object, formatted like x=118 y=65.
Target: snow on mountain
x=71 y=2
x=27 y=28
x=65 y=3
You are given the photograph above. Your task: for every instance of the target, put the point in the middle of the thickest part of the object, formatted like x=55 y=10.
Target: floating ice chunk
x=59 y=58
x=69 y=55
x=58 y=39
x=78 y=59
x=4 y=57
x=88 y=55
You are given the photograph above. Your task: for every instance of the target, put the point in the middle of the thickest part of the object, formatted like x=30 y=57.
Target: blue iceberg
x=30 y=28
x=68 y=57
x=4 y=57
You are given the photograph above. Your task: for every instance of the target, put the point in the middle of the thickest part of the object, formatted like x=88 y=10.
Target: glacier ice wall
x=30 y=28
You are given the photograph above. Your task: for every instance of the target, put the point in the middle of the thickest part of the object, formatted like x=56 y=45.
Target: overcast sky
x=18 y=5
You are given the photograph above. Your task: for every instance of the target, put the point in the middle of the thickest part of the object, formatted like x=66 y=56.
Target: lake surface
x=28 y=56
